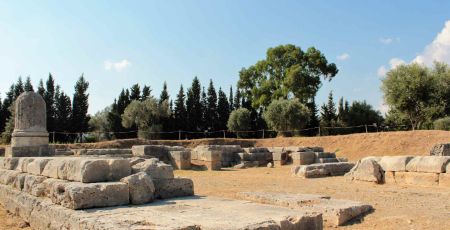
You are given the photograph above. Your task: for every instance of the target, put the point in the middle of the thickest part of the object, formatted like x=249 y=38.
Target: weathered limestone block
x=76 y=195
x=63 y=152
x=326 y=160
x=447 y=169
x=180 y=159
x=51 y=168
x=444 y=180
x=394 y=163
x=33 y=185
x=45 y=188
x=335 y=212
x=141 y=188
x=417 y=178
x=325 y=155
x=118 y=169
x=7 y=177
x=19 y=181
x=440 y=150
x=303 y=158
x=366 y=169
x=37 y=166
x=2 y=152
x=107 y=152
x=155 y=151
x=322 y=170
x=175 y=187
x=135 y=160
x=210 y=159
x=256 y=149
x=155 y=168
x=434 y=164
x=22 y=164
x=389 y=177
x=10 y=163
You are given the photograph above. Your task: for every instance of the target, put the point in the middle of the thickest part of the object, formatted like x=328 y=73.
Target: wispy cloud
x=117 y=66
x=343 y=57
x=388 y=40
x=394 y=62
x=438 y=49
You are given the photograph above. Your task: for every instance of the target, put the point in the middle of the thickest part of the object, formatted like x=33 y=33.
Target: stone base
x=29 y=151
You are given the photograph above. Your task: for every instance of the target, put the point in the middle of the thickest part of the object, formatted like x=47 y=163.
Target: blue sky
x=119 y=43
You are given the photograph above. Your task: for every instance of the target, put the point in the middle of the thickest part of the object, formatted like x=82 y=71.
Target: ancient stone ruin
x=30 y=136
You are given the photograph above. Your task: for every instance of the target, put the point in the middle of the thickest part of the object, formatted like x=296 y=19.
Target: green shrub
x=285 y=115
x=239 y=120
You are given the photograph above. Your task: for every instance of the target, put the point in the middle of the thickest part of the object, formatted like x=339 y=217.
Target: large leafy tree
x=361 y=113
x=239 y=120
x=286 y=72
x=80 y=106
x=411 y=90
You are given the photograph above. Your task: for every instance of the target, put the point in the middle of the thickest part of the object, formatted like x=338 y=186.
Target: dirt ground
x=396 y=207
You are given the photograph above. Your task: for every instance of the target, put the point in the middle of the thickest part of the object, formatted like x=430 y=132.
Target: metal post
x=53 y=137
x=179 y=134
x=224 y=134
x=319 y=131
x=263 y=134
x=366 y=128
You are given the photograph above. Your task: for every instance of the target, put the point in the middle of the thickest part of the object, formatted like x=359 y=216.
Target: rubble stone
x=141 y=188
x=440 y=150
x=366 y=169
x=175 y=187
x=155 y=168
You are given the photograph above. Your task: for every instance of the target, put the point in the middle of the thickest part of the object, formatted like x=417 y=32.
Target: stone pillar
x=30 y=136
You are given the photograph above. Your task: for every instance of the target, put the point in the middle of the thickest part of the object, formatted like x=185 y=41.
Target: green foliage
x=231 y=99
x=41 y=89
x=146 y=91
x=180 y=110
x=211 y=108
x=361 y=113
x=164 y=94
x=49 y=98
x=328 y=116
x=284 y=115
x=287 y=70
x=223 y=110
x=80 y=106
x=194 y=106
x=135 y=92
x=239 y=120
x=9 y=126
x=99 y=123
x=62 y=114
x=411 y=90
x=28 y=86
x=442 y=124
x=18 y=88
x=146 y=115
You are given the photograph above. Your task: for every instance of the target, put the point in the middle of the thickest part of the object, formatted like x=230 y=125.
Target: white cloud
x=438 y=49
x=343 y=57
x=394 y=62
x=386 y=41
x=117 y=66
x=383 y=107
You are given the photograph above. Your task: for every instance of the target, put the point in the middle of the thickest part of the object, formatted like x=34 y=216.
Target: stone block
x=2 y=152
x=22 y=164
x=118 y=169
x=447 y=168
x=37 y=166
x=209 y=155
x=417 y=178
x=135 y=160
x=394 y=163
x=323 y=170
x=444 y=180
x=181 y=159
x=76 y=195
x=325 y=155
x=389 y=177
x=175 y=187
x=7 y=177
x=28 y=151
x=106 y=152
x=155 y=151
x=10 y=163
x=256 y=149
x=155 y=168
x=33 y=185
x=19 y=181
x=366 y=170
x=303 y=158
x=434 y=164
x=440 y=150
x=326 y=160
x=141 y=188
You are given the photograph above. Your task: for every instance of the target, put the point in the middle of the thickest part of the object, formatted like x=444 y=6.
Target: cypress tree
x=80 y=106
x=230 y=99
x=28 y=85
x=41 y=89
x=164 y=94
x=223 y=110
x=49 y=98
x=18 y=88
x=194 y=106
x=328 y=113
x=146 y=91
x=135 y=92
x=237 y=99
x=314 y=121
x=211 y=107
x=62 y=115
x=204 y=111
x=180 y=110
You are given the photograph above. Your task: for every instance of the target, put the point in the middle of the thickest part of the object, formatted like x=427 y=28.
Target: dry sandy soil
x=396 y=207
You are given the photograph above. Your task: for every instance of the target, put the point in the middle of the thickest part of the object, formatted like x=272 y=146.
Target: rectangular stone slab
x=180 y=213
x=76 y=195
x=431 y=164
x=394 y=163
x=417 y=178
x=323 y=170
x=175 y=187
x=335 y=212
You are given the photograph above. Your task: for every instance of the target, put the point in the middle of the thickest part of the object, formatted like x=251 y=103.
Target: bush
x=285 y=115
x=442 y=124
x=239 y=120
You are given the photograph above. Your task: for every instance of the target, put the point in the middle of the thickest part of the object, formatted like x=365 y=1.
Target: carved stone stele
x=30 y=136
